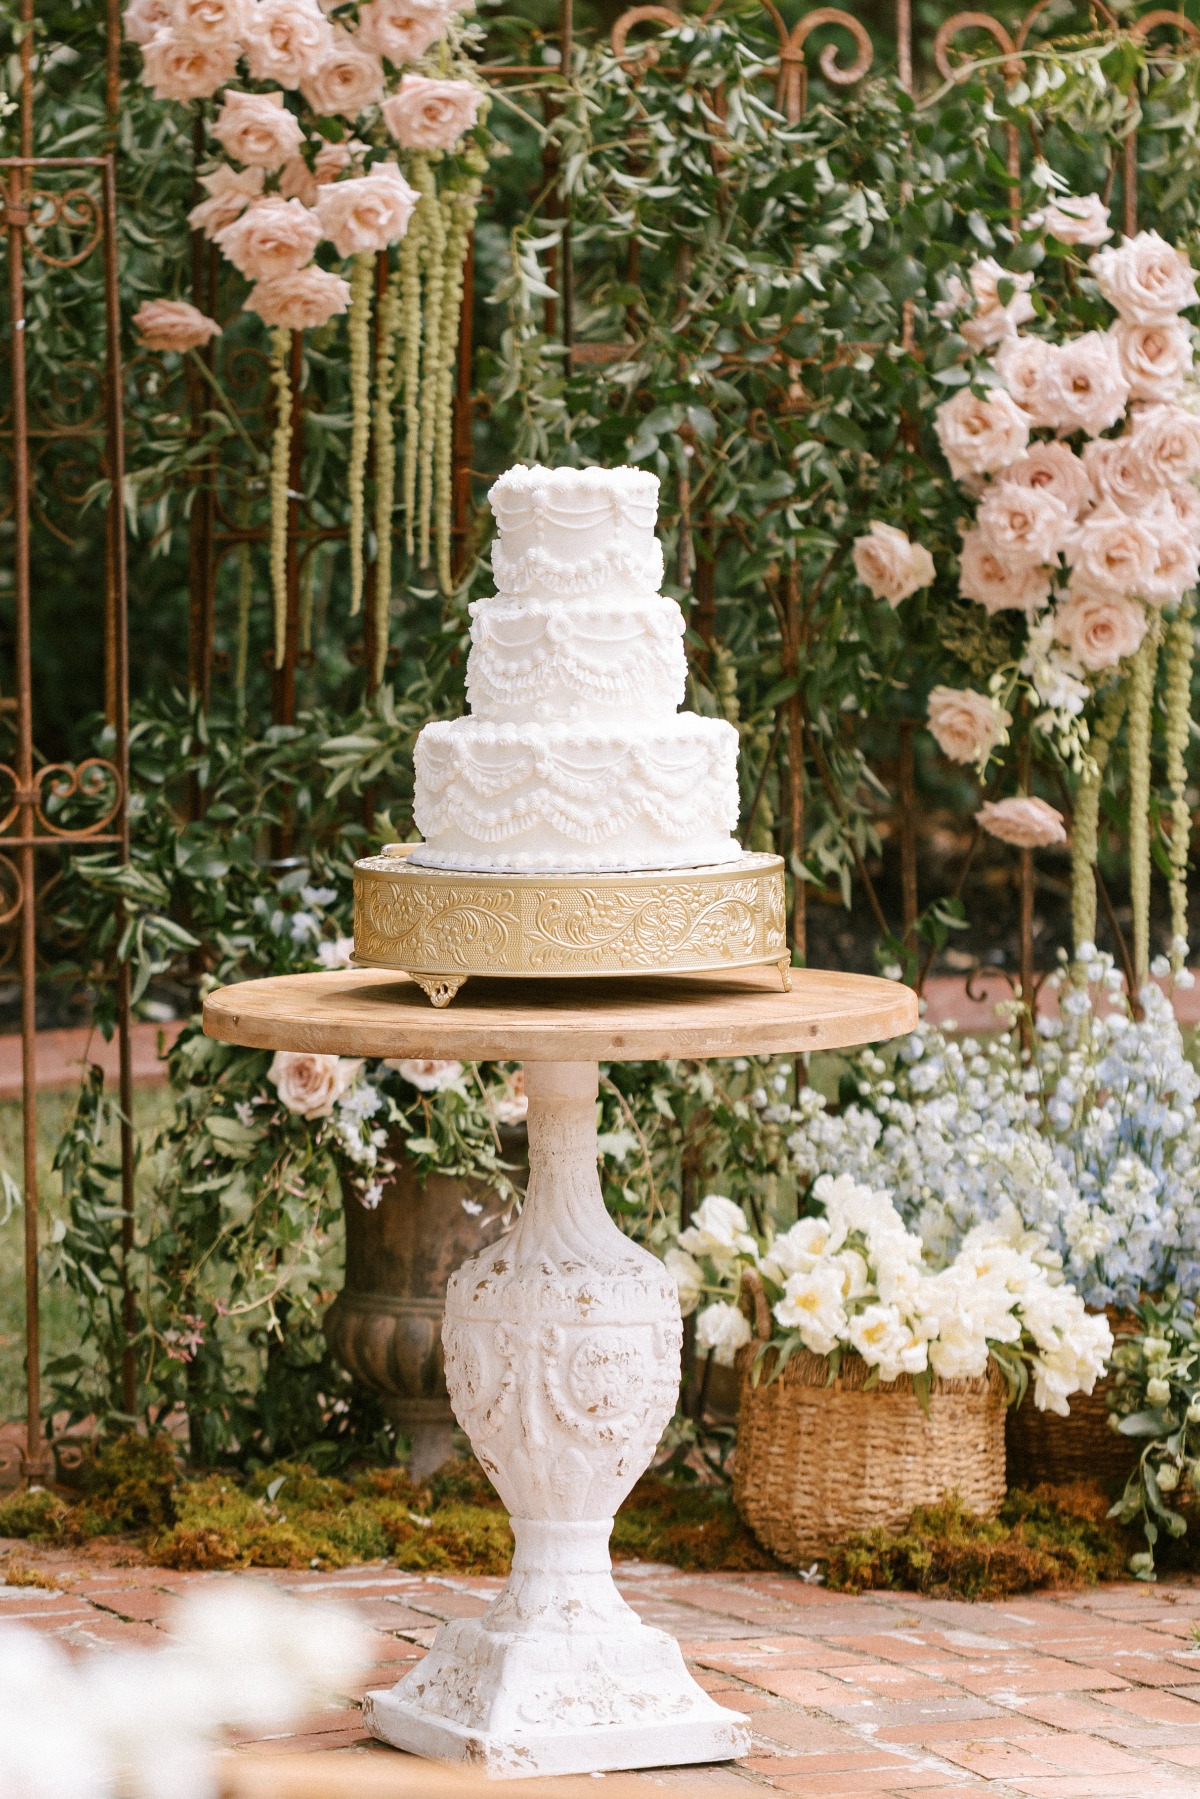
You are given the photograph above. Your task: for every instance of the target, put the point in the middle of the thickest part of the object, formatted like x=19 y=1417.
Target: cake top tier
x=575 y=531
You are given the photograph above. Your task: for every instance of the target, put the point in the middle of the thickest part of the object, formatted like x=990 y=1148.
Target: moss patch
x=1054 y=1536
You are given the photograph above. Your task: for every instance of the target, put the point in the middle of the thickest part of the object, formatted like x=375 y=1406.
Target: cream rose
x=402 y=30
x=175 y=68
x=299 y=302
x=1074 y=219
x=272 y=237
x=1053 y=469
x=1148 y=281
x=287 y=40
x=311 y=1085
x=979 y=436
x=1023 y=524
x=229 y=192
x=1112 y=551
x=217 y=22
x=1100 y=629
x=297 y=182
x=258 y=129
x=1155 y=359
x=889 y=565
x=1083 y=386
x=347 y=80
x=427 y=1076
x=1116 y=473
x=993 y=319
x=424 y=114
x=142 y=18
x=1166 y=440
x=368 y=212
x=1021 y=365
x=966 y=726
x=1026 y=822
x=997 y=584
x=173 y=325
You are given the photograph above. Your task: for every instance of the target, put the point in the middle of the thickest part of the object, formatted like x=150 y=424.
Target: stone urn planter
x=385 y=1326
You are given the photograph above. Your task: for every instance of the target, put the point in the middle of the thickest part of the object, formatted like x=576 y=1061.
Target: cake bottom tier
x=538 y=798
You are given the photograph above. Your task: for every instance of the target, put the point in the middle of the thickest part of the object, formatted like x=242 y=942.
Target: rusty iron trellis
x=40 y=808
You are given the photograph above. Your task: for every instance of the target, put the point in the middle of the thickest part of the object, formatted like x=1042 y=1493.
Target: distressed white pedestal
x=562 y=1349
x=562 y=1360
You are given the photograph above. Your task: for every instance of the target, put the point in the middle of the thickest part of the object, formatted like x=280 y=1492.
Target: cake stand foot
x=440 y=988
x=785 y=974
x=562 y=1362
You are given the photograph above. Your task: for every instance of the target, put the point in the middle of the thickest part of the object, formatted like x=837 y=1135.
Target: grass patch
x=1054 y=1536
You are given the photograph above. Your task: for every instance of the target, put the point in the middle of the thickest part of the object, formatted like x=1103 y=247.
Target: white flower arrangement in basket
x=854 y=1278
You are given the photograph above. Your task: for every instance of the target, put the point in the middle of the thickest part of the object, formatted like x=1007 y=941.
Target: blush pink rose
x=426 y=1076
x=1083 y=386
x=142 y=18
x=889 y=565
x=1185 y=504
x=966 y=726
x=286 y=41
x=173 y=325
x=992 y=319
x=1177 y=569
x=1112 y=551
x=333 y=160
x=311 y=1085
x=1021 y=364
x=1054 y=469
x=1166 y=440
x=1147 y=280
x=424 y=114
x=368 y=212
x=1025 y=822
x=347 y=80
x=1024 y=524
x=301 y=301
x=980 y=436
x=229 y=192
x=210 y=21
x=1100 y=629
x=297 y=182
x=995 y=582
x=1116 y=473
x=1072 y=219
x=258 y=129
x=272 y=237
x=176 y=68
x=1155 y=359
x=402 y=30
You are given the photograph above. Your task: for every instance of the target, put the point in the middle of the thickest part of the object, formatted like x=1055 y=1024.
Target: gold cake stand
x=441 y=926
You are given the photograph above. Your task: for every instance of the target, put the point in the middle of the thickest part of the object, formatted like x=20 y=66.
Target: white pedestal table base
x=562 y=1362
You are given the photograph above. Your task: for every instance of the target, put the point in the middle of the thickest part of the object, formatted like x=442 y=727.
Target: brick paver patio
x=1047 y=1696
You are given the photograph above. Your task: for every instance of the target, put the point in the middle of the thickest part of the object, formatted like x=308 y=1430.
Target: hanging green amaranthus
x=1180 y=654
x=1141 y=706
x=281 y=452
x=361 y=277
x=433 y=264
x=1085 y=842
x=385 y=463
x=410 y=326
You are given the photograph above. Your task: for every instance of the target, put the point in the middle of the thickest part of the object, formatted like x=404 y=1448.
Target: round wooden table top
x=374 y=1012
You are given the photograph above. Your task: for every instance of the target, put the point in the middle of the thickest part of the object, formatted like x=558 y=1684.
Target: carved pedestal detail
x=562 y=1361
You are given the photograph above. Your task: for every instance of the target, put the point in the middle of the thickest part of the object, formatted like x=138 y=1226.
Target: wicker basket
x=1043 y=1447
x=816 y=1462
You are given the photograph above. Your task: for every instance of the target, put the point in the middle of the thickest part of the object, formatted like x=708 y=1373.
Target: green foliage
x=1156 y=1401
x=1053 y=1537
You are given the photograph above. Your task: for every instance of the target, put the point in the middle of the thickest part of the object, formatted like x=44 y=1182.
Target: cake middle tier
x=553 y=798
x=606 y=660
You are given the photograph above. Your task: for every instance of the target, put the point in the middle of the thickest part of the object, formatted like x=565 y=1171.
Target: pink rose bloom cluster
x=283 y=190
x=1100 y=526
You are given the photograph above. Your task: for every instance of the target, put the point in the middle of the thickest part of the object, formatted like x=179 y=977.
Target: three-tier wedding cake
x=576 y=758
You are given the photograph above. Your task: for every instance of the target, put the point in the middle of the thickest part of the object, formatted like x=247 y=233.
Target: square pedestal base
x=515 y=1705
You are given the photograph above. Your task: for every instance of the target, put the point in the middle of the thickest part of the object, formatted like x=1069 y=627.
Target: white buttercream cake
x=575 y=756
